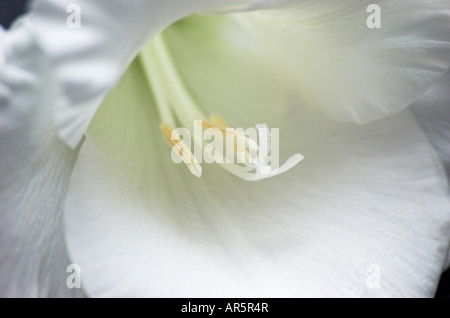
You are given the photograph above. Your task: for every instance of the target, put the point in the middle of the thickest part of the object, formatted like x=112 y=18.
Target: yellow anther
x=243 y=141
x=180 y=148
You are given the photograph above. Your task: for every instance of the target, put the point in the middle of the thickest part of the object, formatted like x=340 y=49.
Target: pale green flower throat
x=176 y=105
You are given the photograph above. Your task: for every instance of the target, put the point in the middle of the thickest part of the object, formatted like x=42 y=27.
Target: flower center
x=176 y=105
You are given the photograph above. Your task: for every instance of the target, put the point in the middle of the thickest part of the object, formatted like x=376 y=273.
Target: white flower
x=139 y=225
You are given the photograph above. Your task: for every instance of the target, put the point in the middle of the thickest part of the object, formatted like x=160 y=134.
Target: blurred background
x=10 y=9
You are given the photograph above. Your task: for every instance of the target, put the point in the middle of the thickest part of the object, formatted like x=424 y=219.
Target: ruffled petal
x=433 y=113
x=139 y=225
x=35 y=167
x=332 y=56
x=91 y=43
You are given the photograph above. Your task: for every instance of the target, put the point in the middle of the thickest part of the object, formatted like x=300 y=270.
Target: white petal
x=433 y=113
x=139 y=225
x=329 y=56
x=89 y=60
x=34 y=173
x=225 y=71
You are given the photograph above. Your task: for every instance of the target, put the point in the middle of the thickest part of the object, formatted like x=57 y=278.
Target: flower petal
x=34 y=172
x=433 y=113
x=224 y=69
x=139 y=225
x=91 y=43
x=328 y=54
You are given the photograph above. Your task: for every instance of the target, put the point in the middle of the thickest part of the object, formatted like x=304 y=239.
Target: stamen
x=261 y=167
x=181 y=100
x=260 y=170
x=153 y=74
x=218 y=121
x=243 y=141
x=177 y=106
x=180 y=148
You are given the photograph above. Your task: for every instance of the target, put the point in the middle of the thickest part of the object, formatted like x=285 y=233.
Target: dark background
x=9 y=9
